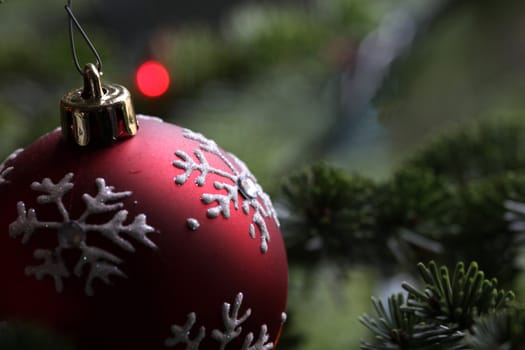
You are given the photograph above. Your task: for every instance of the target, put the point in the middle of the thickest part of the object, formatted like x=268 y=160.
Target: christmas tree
x=389 y=133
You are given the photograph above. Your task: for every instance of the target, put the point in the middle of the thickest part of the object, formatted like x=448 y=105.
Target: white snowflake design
x=181 y=335
x=4 y=171
x=73 y=233
x=239 y=180
x=232 y=330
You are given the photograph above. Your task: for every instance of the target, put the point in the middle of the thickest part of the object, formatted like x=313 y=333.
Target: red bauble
x=161 y=241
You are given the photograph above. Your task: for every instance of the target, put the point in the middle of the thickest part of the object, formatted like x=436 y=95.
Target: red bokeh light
x=152 y=79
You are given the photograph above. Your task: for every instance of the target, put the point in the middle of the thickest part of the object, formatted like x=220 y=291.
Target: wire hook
x=73 y=20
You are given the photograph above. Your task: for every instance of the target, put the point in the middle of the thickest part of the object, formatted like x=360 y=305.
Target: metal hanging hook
x=73 y=20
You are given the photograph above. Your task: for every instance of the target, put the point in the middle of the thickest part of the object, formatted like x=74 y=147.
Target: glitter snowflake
x=232 y=329
x=5 y=170
x=237 y=181
x=261 y=343
x=232 y=322
x=181 y=335
x=73 y=233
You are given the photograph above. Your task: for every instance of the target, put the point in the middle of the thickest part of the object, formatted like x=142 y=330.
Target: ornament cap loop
x=97 y=114
x=92 y=85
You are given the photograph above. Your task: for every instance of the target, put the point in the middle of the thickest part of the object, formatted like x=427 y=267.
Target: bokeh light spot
x=152 y=79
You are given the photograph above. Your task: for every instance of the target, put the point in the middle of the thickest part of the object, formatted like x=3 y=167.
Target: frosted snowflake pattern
x=73 y=233
x=239 y=180
x=181 y=335
x=5 y=170
x=232 y=329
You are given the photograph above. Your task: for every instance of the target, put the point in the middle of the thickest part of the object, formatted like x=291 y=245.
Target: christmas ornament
x=150 y=238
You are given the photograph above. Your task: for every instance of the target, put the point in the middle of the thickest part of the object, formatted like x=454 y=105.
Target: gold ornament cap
x=97 y=114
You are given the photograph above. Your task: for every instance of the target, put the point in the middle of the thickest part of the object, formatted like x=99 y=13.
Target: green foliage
x=393 y=327
x=440 y=315
x=459 y=199
x=332 y=213
x=262 y=31
x=256 y=38
x=415 y=199
x=504 y=330
x=480 y=231
x=455 y=71
x=446 y=203
x=457 y=299
x=476 y=150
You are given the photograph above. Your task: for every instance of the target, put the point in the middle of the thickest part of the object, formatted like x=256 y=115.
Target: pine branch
x=331 y=214
x=458 y=299
x=475 y=151
x=413 y=215
x=438 y=316
x=399 y=328
x=503 y=330
x=447 y=203
x=392 y=328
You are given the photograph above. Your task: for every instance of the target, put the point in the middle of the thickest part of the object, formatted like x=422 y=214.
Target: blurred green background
x=361 y=84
